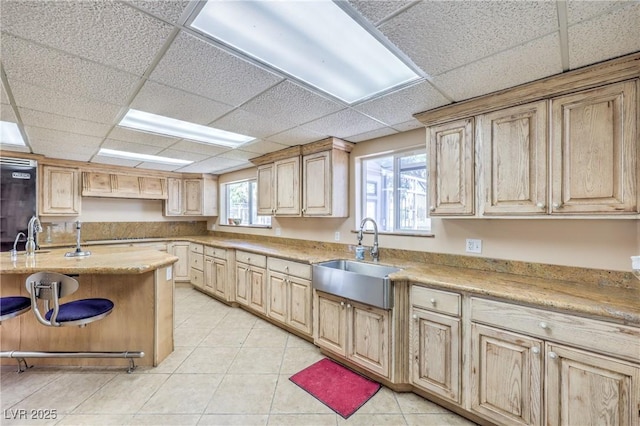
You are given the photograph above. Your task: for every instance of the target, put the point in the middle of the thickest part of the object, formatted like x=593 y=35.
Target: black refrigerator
x=18 y=199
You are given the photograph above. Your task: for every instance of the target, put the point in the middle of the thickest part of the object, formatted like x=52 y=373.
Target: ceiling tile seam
x=141 y=81
x=14 y=107
x=620 y=5
x=146 y=12
x=397 y=12
x=563 y=30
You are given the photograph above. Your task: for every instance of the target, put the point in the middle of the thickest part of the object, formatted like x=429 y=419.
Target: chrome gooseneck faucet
x=33 y=227
x=375 y=254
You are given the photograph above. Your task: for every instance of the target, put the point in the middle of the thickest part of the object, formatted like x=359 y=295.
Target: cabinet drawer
x=609 y=338
x=251 y=258
x=435 y=300
x=215 y=252
x=196 y=261
x=289 y=267
x=196 y=277
x=196 y=248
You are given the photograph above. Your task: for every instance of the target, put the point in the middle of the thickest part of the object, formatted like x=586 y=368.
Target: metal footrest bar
x=21 y=355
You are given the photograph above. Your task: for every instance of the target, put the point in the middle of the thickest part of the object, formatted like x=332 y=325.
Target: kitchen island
x=138 y=281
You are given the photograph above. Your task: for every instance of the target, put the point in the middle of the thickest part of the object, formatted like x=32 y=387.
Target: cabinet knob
x=543 y=325
x=557 y=205
x=540 y=205
x=415 y=317
x=553 y=355
x=341 y=303
x=433 y=209
x=433 y=301
x=348 y=305
x=535 y=350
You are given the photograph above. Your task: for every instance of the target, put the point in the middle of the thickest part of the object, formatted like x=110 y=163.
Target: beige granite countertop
x=618 y=304
x=103 y=260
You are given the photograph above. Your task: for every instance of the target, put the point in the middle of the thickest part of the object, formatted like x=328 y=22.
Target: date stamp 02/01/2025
x=30 y=414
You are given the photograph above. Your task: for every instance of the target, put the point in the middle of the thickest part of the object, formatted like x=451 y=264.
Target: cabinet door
x=209 y=274
x=60 y=191
x=451 y=172
x=173 y=204
x=153 y=188
x=287 y=186
x=242 y=284
x=331 y=323
x=435 y=353
x=192 y=196
x=583 y=388
x=506 y=376
x=277 y=308
x=299 y=305
x=265 y=190
x=368 y=338
x=514 y=147
x=257 y=291
x=220 y=274
x=181 y=267
x=317 y=188
x=125 y=185
x=595 y=151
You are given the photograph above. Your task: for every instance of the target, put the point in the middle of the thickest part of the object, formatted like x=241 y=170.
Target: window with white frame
x=241 y=207
x=394 y=191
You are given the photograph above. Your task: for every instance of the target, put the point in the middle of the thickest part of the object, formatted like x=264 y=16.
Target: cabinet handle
x=553 y=355
x=433 y=301
x=540 y=205
x=433 y=209
x=535 y=350
x=543 y=325
x=348 y=305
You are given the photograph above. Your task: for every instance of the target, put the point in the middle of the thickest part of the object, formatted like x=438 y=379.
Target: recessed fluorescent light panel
x=159 y=124
x=10 y=134
x=141 y=157
x=315 y=41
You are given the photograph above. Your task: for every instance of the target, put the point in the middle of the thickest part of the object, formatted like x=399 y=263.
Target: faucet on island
x=33 y=227
x=375 y=254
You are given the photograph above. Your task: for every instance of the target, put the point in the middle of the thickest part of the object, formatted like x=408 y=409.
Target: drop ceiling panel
x=183 y=155
x=114 y=161
x=159 y=166
x=52 y=69
x=237 y=154
x=442 y=35
x=522 y=64
x=212 y=165
x=375 y=11
x=203 y=148
x=246 y=123
x=64 y=141
x=164 y=100
x=52 y=152
x=201 y=68
x=580 y=10
x=107 y=32
x=605 y=37
x=138 y=148
x=14 y=148
x=261 y=147
x=344 y=124
x=296 y=136
x=7 y=114
x=408 y=125
x=291 y=103
x=4 y=98
x=378 y=133
x=169 y=10
x=60 y=122
x=124 y=134
x=40 y=99
x=398 y=107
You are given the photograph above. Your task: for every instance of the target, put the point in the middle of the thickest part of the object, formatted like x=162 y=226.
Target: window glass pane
x=412 y=193
x=241 y=204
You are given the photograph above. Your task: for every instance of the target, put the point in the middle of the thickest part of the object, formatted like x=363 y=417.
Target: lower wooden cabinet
x=358 y=332
x=181 y=267
x=216 y=272
x=196 y=263
x=251 y=281
x=289 y=292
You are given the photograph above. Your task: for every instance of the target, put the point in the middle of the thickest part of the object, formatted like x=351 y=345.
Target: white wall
x=592 y=243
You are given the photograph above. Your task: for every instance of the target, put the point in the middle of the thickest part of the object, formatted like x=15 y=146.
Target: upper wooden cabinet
x=595 y=151
x=192 y=196
x=514 y=160
x=312 y=180
x=451 y=172
x=566 y=145
x=119 y=185
x=60 y=191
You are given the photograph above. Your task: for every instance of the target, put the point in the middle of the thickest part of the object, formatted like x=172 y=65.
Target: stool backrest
x=49 y=287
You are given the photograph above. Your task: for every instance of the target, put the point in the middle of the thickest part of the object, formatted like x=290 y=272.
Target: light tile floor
x=228 y=368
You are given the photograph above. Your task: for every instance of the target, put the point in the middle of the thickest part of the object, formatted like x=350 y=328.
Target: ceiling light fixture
x=141 y=157
x=10 y=134
x=316 y=42
x=167 y=126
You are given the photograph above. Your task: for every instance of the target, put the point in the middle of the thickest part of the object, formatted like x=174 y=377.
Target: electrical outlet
x=473 y=246
x=278 y=232
x=337 y=236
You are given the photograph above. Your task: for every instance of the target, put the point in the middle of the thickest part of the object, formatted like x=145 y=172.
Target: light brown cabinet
x=451 y=168
x=325 y=180
x=595 y=151
x=196 y=265
x=514 y=161
x=181 y=267
x=290 y=296
x=279 y=188
x=192 y=196
x=265 y=190
x=118 y=185
x=216 y=272
x=360 y=333
x=251 y=281
x=60 y=191
x=435 y=342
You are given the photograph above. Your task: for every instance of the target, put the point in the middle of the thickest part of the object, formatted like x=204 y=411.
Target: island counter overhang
x=138 y=281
